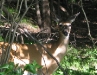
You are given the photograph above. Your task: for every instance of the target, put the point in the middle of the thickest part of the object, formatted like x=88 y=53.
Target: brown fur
x=26 y=53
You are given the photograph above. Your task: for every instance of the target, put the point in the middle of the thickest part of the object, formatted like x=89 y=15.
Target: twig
x=16 y=26
x=1 y=7
x=89 y=33
x=19 y=9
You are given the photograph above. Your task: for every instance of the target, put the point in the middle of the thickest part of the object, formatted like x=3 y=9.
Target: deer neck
x=62 y=47
x=63 y=40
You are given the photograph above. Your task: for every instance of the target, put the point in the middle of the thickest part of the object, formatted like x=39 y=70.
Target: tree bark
x=46 y=16
x=38 y=13
x=51 y=11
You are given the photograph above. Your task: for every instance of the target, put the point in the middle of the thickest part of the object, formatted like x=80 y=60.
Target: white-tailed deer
x=23 y=54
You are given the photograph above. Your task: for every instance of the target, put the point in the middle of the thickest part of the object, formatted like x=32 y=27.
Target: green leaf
x=4 y=66
x=32 y=67
x=2 y=73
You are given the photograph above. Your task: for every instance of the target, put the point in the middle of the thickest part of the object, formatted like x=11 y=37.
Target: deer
x=23 y=54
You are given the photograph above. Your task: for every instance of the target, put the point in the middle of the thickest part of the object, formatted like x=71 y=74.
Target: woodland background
x=38 y=18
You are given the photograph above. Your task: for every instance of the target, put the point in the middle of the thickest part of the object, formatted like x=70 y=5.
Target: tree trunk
x=46 y=16
x=51 y=11
x=39 y=21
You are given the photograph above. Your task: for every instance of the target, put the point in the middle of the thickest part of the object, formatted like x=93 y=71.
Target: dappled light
x=39 y=36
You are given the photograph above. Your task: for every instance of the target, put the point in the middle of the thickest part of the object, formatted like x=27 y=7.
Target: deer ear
x=72 y=18
x=69 y=20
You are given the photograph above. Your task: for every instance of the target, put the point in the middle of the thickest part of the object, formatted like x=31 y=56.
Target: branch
x=89 y=33
x=19 y=9
x=13 y=23
x=6 y=12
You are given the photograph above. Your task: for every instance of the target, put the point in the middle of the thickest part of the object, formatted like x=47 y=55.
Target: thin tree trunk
x=38 y=14
x=46 y=16
x=51 y=10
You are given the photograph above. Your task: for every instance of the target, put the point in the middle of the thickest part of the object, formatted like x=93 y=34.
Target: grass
x=79 y=62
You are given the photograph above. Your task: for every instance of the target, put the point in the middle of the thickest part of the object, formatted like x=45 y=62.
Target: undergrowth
x=75 y=62
x=79 y=62
x=12 y=69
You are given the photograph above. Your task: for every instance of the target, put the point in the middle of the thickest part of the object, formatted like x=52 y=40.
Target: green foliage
x=12 y=69
x=12 y=10
x=1 y=39
x=32 y=67
x=79 y=62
